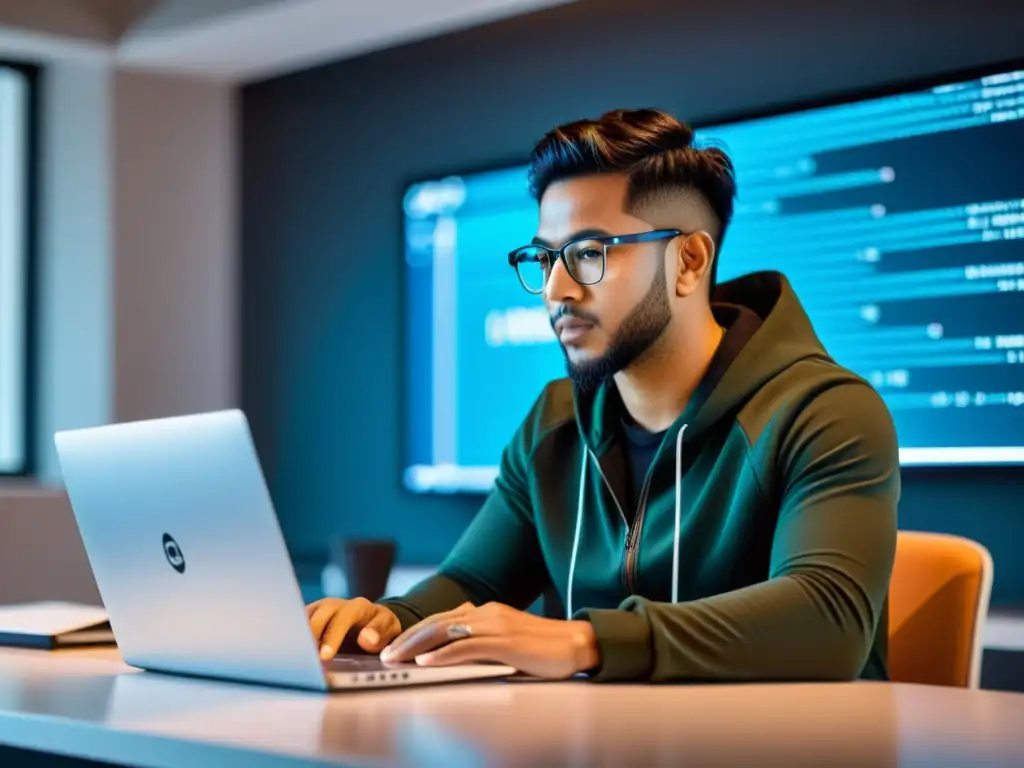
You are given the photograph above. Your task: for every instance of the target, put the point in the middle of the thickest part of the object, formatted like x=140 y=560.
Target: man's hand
x=540 y=647
x=332 y=620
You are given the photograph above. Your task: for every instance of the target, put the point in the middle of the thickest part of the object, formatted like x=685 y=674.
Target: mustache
x=566 y=310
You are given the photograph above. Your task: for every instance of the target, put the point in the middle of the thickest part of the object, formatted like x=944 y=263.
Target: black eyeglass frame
x=606 y=241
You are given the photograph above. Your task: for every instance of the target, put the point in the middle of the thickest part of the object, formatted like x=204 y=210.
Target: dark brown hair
x=653 y=147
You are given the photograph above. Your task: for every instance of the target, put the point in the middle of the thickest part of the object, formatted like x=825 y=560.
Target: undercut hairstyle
x=654 y=148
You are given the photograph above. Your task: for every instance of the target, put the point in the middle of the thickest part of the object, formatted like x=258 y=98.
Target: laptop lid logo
x=173 y=553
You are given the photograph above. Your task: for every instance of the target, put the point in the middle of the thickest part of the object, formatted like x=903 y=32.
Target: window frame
x=29 y=320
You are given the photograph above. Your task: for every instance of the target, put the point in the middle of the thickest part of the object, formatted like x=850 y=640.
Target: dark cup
x=366 y=565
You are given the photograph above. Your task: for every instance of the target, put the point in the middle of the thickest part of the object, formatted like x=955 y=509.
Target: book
x=53 y=624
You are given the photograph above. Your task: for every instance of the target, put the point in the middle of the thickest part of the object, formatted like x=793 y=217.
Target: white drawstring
x=579 y=522
x=576 y=536
x=679 y=506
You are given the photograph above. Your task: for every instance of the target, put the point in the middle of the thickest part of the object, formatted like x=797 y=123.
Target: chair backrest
x=938 y=602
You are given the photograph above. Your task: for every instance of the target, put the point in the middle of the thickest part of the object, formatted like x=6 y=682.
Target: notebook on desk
x=52 y=624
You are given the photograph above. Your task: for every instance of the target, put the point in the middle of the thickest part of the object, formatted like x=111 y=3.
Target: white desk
x=89 y=704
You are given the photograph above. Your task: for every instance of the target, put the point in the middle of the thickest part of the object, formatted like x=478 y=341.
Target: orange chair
x=938 y=602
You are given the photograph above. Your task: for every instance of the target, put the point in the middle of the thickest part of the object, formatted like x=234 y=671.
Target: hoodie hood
x=784 y=338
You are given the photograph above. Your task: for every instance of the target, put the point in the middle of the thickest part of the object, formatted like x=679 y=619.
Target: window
x=15 y=166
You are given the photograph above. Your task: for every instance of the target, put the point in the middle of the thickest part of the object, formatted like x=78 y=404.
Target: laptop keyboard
x=357 y=663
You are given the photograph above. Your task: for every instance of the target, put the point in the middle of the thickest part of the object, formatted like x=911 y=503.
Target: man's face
x=603 y=328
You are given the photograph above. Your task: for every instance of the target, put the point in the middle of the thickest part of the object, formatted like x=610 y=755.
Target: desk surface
x=88 y=703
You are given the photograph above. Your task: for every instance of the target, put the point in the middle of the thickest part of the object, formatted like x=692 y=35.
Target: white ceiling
x=235 y=40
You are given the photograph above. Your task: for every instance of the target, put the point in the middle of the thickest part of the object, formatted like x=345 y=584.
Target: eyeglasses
x=585 y=258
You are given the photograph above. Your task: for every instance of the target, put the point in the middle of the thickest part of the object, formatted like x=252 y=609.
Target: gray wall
x=41 y=552
x=137 y=261
x=326 y=154
x=175 y=180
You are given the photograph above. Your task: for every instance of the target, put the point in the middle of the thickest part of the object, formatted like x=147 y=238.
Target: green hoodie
x=766 y=543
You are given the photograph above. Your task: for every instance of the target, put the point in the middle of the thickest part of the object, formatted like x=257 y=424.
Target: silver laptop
x=190 y=562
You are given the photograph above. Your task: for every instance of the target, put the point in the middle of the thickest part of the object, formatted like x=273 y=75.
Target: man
x=710 y=494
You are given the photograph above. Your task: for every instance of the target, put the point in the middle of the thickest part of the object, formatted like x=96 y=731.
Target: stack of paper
x=53 y=624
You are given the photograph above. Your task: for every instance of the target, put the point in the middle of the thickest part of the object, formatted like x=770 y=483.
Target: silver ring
x=459 y=631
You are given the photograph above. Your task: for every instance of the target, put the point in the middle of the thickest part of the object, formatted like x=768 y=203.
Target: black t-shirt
x=641 y=445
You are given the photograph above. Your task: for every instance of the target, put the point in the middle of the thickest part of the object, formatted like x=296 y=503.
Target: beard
x=634 y=339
